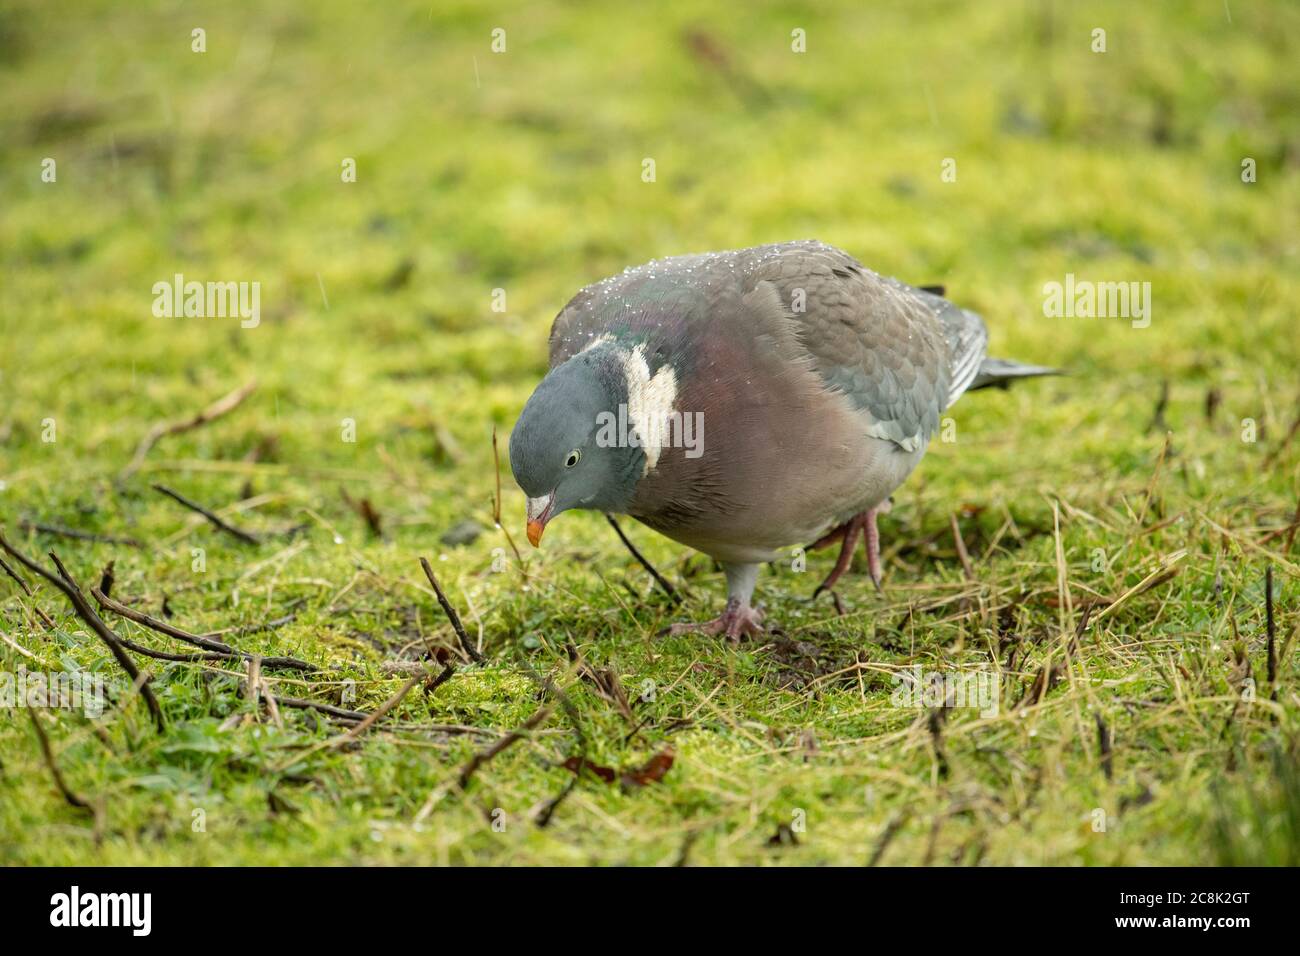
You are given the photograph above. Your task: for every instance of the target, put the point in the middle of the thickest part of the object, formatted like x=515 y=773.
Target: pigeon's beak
x=539 y=512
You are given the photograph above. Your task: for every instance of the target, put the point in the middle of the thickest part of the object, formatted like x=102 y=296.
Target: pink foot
x=736 y=620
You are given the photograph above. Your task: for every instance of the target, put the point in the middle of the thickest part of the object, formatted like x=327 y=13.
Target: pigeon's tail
x=1000 y=373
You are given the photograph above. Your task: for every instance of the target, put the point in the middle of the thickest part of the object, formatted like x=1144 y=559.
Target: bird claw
x=877 y=578
x=861 y=525
x=735 y=621
x=835 y=599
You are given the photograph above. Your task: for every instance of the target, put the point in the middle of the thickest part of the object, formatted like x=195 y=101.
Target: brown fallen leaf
x=577 y=764
x=652 y=771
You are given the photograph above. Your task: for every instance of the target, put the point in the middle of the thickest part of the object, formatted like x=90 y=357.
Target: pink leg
x=864 y=524
x=852 y=529
x=830 y=537
x=871 y=541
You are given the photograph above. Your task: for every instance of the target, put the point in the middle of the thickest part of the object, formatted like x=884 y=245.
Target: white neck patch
x=649 y=402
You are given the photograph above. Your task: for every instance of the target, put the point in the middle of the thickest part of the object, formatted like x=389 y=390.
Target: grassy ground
x=522 y=171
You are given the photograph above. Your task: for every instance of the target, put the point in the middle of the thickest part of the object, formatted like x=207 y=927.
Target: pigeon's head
x=559 y=450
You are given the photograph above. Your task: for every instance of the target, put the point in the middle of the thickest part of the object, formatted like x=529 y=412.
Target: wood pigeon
x=745 y=402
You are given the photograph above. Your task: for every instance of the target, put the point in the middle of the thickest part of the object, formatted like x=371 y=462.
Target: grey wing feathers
x=900 y=354
x=968 y=343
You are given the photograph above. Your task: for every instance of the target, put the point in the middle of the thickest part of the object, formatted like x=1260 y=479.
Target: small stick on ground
x=341 y=713
x=962 y=554
x=47 y=752
x=1047 y=677
x=23 y=585
x=216 y=521
x=220 y=407
x=107 y=579
x=433 y=683
x=711 y=53
x=606 y=682
x=154 y=624
x=1167 y=571
x=242 y=629
x=1103 y=744
x=366 y=511
x=684 y=852
x=253 y=684
x=61 y=532
x=452 y=616
x=1158 y=422
x=18 y=647
x=365 y=723
x=272 y=707
x=45 y=618
x=1271 y=626
x=1155 y=475
x=659 y=578
x=203 y=657
x=1213 y=399
x=385 y=707
x=496 y=501
x=219 y=648
x=65 y=583
x=483 y=756
x=935 y=723
x=891 y=830
x=548 y=809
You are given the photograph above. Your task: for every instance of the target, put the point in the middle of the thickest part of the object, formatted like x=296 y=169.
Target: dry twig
x=48 y=754
x=496 y=501
x=215 y=519
x=220 y=407
x=483 y=756
x=366 y=511
x=960 y=544
x=219 y=648
x=465 y=643
x=46 y=620
x=61 y=532
x=1048 y=676
x=65 y=583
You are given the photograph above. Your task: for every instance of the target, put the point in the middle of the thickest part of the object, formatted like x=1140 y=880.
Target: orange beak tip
x=535 y=529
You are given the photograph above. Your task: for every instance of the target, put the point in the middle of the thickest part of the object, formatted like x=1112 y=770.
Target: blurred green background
x=522 y=171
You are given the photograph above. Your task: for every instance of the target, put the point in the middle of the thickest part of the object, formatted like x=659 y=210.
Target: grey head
x=554 y=452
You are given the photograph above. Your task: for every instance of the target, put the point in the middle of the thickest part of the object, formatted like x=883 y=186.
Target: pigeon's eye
x=574 y=457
